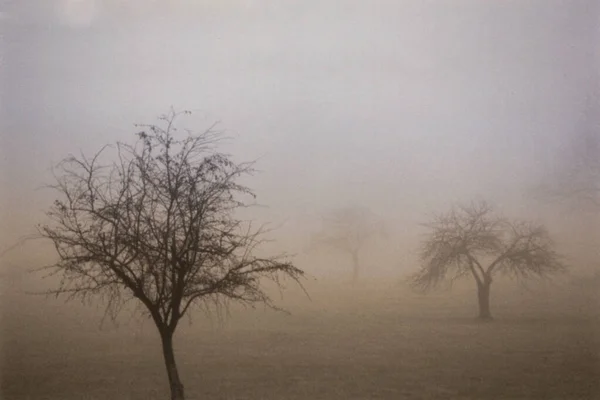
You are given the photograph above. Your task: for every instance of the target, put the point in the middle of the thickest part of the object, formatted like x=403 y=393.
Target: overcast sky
x=401 y=106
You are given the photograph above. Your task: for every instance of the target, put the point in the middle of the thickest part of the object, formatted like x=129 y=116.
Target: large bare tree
x=157 y=224
x=472 y=240
x=348 y=230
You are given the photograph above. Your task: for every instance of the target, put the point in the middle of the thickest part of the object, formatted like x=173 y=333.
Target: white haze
x=400 y=106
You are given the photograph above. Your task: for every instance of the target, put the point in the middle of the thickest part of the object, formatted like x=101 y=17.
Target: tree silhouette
x=577 y=180
x=348 y=230
x=157 y=225
x=471 y=240
x=574 y=188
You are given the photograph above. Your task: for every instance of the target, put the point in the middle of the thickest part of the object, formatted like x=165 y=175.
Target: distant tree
x=348 y=230
x=157 y=225
x=577 y=179
x=471 y=240
x=574 y=188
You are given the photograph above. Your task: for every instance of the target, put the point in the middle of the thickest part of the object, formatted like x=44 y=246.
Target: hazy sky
x=402 y=106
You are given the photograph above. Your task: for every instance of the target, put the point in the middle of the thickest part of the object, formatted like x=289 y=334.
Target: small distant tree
x=472 y=240
x=574 y=188
x=577 y=178
x=157 y=225
x=348 y=230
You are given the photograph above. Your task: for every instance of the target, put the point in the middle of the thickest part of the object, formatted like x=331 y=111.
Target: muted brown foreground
x=369 y=343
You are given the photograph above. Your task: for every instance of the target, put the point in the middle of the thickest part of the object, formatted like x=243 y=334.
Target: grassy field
x=370 y=343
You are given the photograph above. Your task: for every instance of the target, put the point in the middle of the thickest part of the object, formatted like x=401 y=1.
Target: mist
x=403 y=108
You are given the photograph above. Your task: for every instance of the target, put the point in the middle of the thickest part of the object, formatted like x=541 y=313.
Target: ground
x=358 y=344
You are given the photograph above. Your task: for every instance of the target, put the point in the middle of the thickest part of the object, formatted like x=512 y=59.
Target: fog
x=403 y=108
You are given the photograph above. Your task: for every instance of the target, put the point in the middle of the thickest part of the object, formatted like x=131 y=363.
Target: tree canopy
x=472 y=240
x=348 y=230
x=157 y=223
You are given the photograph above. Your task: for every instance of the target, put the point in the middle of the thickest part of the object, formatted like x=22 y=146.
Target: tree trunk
x=355 y=267
x=483 y=295
x=174 y=382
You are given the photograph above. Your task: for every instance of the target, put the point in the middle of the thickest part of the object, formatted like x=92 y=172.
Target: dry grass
x=354 y=345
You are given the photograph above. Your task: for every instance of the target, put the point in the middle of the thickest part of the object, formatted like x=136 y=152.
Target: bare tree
x=348 y=230
x=574 y=188
x=471 y=240
x=577 y=180
x=157 y=225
